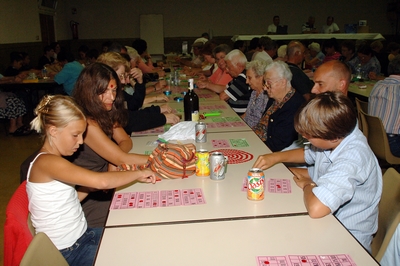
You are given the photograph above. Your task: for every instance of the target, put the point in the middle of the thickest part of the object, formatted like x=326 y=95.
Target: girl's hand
x=147 y=176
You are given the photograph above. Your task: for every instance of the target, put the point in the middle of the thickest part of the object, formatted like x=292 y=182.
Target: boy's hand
x=301 y=177
x=264 y=161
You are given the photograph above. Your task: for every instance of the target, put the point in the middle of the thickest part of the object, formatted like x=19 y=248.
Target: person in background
x=394 y=49
x=138 y=118
x=240 y=45
x=237 y=92
x=382 y=56
x=13 y=109
x=259 y=98
x=145 y=64
x=331 y=48
x=282 y=53
x=26 y=62
x=205 y=35
x=92 y=55
x=253 y=47
x=330 y=26
x=332 y=76
x=47 y=58
x=71 y=69
x=197 y=59
x=209 y=65
x=384 y=102
x=104 y=46
x=14 y=68
x=309 y=26
x=106 y=145
x=366 y=59
x=275 y=23
x=314 y=57
x=300 y=81
x=343 y=176
x=348 y=50
x=57 y=49
x=220 y=78
x=275 y=127
x=51 y=178
x=267 y=50
x=82 y=51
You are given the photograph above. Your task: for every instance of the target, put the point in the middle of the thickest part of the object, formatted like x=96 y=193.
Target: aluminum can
x=255 y=184
x=218 y=164
x=201 y=132
x=202 y=163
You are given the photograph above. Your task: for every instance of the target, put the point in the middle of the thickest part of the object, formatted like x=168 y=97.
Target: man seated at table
x=309 y=26
x=330 y=27
x=384 y=102
x=69 y=73
x=47 y=58
x=300 y=81
x=348 y=50
x=237 y=92
x=332 y=76
x=343 y=176
x=197 y=59
x=272 y=27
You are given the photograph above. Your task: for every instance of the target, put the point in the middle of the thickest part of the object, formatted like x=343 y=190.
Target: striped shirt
x=384 y=102
x=349 y=183
x=239 y=93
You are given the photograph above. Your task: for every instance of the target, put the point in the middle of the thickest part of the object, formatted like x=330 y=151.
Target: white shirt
x=329 y=29
x=272 y=28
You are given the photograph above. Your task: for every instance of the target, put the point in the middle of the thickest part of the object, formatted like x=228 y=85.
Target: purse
x=173 y=160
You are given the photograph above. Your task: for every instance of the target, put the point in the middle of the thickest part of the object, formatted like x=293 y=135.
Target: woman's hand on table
x=156 y=98
x=202 y=84
x=172 y=119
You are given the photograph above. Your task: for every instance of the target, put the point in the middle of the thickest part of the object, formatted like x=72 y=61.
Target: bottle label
x=195 y=116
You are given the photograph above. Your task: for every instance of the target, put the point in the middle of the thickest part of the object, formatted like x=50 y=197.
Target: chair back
x=389 y=213
x=362 y=123
x=377 y=139
x=42 y=252
x=17 y=235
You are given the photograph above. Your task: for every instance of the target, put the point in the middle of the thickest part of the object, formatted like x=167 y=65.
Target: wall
x=183 y=19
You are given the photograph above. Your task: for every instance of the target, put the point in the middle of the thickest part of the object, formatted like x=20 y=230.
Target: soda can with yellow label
x=202 y=163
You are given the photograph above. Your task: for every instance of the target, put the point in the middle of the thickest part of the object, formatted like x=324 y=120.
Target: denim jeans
x=83 y=251
x=394 y=144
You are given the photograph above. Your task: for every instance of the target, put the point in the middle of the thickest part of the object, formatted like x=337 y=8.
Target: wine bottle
x=191 y=104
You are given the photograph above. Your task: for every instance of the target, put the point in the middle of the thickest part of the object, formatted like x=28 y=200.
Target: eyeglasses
x=268 y=82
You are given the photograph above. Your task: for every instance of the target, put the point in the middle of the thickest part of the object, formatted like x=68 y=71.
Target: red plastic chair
x=17 y=235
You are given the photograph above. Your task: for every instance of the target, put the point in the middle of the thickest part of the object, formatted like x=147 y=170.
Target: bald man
x=332 y=76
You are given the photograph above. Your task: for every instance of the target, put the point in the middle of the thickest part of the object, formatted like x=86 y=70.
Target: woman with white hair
x=314 y=57
x=276 y=127
x=259 y=98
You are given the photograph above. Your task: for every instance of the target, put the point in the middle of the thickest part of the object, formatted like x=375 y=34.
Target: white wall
x=103 y=19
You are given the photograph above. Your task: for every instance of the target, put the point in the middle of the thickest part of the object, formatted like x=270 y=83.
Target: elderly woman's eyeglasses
x=268 y=82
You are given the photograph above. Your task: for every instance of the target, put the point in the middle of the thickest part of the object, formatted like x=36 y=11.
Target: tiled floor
x=13 y=151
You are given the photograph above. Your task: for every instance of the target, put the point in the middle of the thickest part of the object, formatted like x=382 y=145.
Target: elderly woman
x=258 y=99
x=315 y=57
x=276 y=127
x=220 y=78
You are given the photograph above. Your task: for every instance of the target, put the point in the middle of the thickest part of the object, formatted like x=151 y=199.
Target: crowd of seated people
x=265 y=85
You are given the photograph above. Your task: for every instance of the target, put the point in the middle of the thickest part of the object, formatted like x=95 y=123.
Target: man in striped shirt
x=384 y=102
x=237 y=92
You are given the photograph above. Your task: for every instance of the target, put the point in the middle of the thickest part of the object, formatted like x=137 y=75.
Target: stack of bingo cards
x=255 y=184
